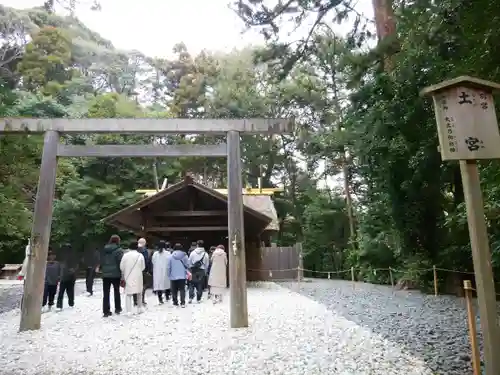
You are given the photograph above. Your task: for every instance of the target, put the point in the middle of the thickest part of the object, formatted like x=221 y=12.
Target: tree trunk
x=385 y=24
x=348 y=198
x=343 y=160
x=155 y=175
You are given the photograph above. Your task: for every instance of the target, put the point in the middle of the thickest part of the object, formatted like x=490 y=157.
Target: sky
x=155 y=26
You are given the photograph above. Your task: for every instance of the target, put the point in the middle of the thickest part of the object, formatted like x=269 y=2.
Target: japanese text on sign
x=467 y=125
x=452 y=139
x=473 y=143
x=483 y=101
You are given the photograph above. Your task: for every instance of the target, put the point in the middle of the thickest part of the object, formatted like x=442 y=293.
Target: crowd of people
x=62 y=274
x=168 y=270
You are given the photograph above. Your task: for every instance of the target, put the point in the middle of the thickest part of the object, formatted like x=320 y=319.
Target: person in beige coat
x=131 y=266
x=217 y=279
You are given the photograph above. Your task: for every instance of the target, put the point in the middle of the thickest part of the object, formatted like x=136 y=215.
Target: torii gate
x=42 y=221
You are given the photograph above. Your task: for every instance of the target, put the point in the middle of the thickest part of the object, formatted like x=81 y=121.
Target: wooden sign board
x=467 y=124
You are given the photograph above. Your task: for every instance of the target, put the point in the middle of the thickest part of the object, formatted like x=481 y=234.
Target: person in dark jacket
x=52 y=274
x=190 y=250
x=69 y=268
x=91 y=263
x=198 y=266
x=111 y=275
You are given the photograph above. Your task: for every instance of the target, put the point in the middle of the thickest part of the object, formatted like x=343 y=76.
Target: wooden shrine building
x=189 y=211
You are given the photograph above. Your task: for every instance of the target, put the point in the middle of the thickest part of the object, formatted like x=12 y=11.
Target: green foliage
x=364 y=128
x=326 y=232
x=79 y=210
x=46 y=60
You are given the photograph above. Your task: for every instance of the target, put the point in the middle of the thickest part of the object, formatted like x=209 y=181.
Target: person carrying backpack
x=198 y=265
x=110 y=258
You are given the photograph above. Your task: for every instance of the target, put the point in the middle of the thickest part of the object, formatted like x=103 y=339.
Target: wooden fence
x=279 y=263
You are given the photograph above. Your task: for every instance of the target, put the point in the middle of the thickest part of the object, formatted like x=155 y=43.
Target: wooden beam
x=40 y=236
x=237 y=262
x=188 y=213
x=189 y=222
x=146 y=125
x=124 y=227
x=187 y=229
x=481 y=257
x=152 y=151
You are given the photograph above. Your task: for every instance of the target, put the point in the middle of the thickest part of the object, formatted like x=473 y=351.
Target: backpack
x=198 y=264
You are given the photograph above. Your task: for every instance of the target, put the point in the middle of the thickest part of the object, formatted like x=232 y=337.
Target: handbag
x=189 y=275
x=123 y=282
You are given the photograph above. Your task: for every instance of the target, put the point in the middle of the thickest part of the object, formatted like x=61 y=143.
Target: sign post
x=468 y=130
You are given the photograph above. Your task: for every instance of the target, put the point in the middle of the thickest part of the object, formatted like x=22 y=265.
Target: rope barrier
x=300 y=273
x=455 y=271
x=308 y=270
x=357 y=269
x=276 y=270
x=475 y=290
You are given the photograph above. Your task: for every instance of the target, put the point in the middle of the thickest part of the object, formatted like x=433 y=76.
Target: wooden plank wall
x=279 y=263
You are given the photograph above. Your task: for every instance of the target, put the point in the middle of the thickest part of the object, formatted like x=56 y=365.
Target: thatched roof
x=259 y=207
x=264 y=205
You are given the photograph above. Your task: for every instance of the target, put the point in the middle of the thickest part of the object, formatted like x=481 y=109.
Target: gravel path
x=289 y=334
x=11 y=293
x=432 y=328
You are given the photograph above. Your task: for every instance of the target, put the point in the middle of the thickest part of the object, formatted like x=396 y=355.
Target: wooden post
x=237 y=264
x=300 y=266
x=300 y=273
x=468 y=131
x=471 y=317
x=481 y=256
x=352 y=277
x=391 y=277
x=40 y=236
x=434 y=271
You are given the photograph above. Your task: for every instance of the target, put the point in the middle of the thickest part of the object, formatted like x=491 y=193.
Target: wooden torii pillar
x=52 y=149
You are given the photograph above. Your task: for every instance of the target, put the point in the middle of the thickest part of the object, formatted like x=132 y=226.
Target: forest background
x=397 y=204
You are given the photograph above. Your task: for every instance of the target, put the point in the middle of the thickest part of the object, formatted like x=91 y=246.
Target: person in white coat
x=131 y=266
x=24 y=268
x=161 y=282
x=218 y=279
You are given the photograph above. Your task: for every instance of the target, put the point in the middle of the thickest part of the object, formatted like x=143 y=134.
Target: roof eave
x=180 y=185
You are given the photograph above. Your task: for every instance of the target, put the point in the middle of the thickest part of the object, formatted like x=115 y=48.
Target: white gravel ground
x=289 y=334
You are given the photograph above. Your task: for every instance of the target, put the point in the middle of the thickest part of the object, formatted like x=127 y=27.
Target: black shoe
x=106 y=315
x=118 y=312
x=176 y=304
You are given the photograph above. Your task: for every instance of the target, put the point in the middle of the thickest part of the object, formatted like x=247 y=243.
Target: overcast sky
x=154 y=26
